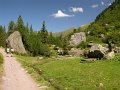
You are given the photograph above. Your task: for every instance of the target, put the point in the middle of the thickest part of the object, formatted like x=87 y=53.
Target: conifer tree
x=11 y=27
x=65 y=46
x=20 y=24
x=31 y=30
x=44 y=33
x=27 y=28
x=2 y=36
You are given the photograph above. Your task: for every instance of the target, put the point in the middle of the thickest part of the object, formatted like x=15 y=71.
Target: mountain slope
x=108 y=23
x=64 y=33
x=69 y=31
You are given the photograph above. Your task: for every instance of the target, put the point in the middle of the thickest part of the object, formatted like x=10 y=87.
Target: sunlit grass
x=74 y=75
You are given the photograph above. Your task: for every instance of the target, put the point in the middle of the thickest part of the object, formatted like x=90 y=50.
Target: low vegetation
x=107 y=24
x=1 y=69
x=1 y=63
x=74 y=74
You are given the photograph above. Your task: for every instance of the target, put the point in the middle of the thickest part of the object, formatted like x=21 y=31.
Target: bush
x=82 y=45
x=45 y=51
x=94 y=39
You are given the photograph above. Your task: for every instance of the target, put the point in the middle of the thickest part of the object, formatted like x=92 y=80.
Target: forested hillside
x=107 y=24
x=36 y=43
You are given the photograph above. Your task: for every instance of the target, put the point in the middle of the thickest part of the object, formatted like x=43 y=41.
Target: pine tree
x=2 y=36
x=27 y=27
x=11 y=27
x=51 y=39
x=31 y=30
x=65 y=46
x=44 y=33
x=20 y=25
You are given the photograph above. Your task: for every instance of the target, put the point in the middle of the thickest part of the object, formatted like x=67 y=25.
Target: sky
x=59 y=15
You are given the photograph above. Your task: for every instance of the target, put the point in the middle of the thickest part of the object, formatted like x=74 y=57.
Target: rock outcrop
x=76 y=52
x=77 y=38
x=97 y=51
x=15 y=42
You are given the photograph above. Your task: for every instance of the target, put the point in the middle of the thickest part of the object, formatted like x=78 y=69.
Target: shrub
x=82 y=45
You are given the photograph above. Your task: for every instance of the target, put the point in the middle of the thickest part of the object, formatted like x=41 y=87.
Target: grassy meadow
x=74 y=74
x=1 y=69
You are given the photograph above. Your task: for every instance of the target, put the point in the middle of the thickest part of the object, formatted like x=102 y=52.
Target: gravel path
x=15 y=78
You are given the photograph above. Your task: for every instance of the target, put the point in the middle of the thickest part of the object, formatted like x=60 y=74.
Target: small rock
x=101 y=86
x=110 y=55
x=40 y=58
x=44 y=87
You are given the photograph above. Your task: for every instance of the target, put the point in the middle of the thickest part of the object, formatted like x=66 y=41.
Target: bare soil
x=15 y=77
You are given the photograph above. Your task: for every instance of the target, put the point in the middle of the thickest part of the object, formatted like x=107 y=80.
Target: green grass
x=1 y=69
x=74 y=75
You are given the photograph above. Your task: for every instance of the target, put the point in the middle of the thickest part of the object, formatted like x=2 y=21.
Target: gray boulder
x=15 y=42
x=77 y=38
x=76 y=52
x=97 y=51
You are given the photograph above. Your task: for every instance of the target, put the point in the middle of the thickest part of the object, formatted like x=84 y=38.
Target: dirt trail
x=15 y=78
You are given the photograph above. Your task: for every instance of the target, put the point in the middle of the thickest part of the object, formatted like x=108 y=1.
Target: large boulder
x=77 y=38
x=76 y=52
x=97 y=51
x=15 y=42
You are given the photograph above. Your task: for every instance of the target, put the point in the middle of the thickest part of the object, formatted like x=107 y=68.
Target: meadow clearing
x=73 y=74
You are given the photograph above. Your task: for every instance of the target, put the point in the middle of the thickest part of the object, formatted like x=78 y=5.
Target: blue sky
x=58 y=14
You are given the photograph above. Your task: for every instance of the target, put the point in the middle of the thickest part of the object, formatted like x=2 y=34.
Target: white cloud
x=61 y=14
x=102 y=3
x=76 y=9
x=95 y=6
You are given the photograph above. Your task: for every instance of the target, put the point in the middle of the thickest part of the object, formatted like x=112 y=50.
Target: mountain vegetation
x=106 y=26
x=36 y=43
x=2 y=36
x=105 y=29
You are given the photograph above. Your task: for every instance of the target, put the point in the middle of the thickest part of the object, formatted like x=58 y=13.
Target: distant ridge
x=70 y=30
x=64 y=33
